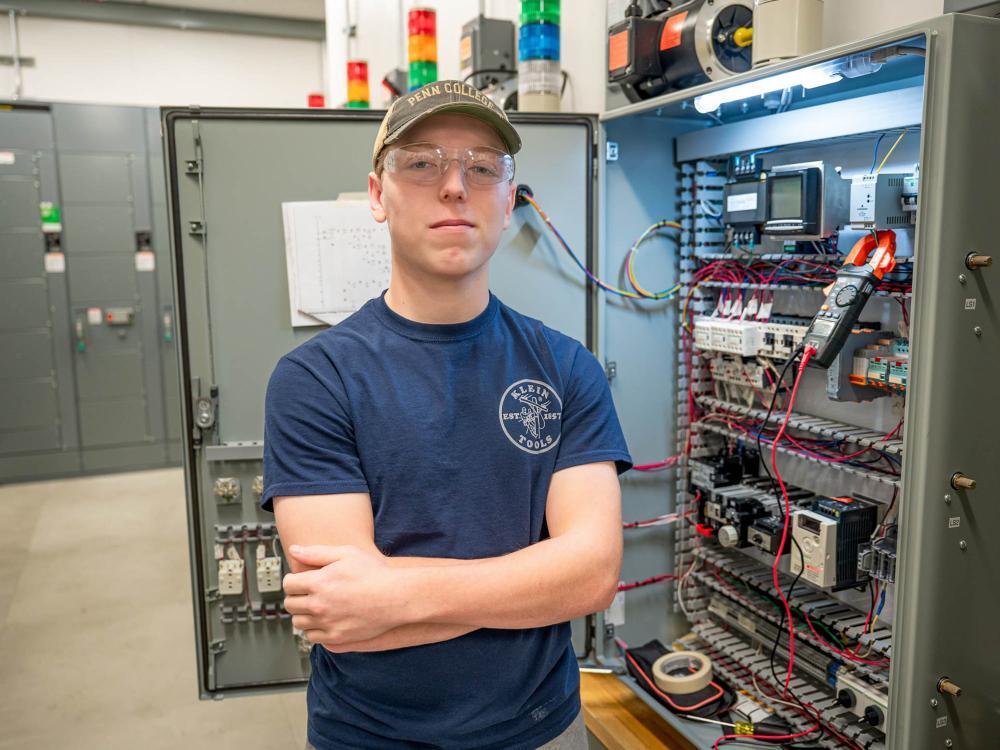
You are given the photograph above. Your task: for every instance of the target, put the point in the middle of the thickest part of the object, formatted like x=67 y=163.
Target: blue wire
x=875 y=153
x=881 y=603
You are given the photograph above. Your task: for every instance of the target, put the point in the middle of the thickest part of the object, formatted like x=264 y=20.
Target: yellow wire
x=891 y=150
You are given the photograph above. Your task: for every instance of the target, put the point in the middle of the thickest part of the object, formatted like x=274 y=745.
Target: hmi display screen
x=786 y=197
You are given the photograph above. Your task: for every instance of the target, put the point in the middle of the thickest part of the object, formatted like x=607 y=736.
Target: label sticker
x=746 y=623
x=942 y=721
x=465 y=51
x=618 y=51
x=954 y=523
x=145 y=260
x=51 y=216
x=742 y=202
x=55 y=262
x=94 y=316
x=970 y=303
x=7 y=157
x=671 y=36
x=615 y=614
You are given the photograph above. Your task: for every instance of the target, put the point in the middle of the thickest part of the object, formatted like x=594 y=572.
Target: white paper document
x=337 y=257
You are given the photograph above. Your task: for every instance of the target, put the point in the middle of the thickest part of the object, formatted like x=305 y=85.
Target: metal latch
x=610 y=369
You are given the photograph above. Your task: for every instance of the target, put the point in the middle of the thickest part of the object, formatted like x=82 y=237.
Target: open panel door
x=229 y=171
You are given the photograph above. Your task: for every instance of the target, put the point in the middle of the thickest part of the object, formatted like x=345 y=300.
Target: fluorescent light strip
x=807 y=78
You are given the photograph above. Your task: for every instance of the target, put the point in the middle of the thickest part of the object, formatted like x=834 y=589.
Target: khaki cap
x=437 y=97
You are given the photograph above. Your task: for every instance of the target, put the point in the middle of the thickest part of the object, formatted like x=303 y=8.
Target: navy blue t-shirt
x=454 y=431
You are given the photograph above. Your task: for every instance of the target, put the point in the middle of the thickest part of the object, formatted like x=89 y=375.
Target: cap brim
x=502 y=127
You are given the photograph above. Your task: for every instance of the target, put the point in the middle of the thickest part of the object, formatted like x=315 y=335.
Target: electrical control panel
x=735 y=442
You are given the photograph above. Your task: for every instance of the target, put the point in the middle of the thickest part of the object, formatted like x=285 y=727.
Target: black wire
x=484 y=71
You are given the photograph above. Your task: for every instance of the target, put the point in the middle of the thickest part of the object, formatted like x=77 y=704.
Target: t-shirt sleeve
x=590 y=428
x=309 y=444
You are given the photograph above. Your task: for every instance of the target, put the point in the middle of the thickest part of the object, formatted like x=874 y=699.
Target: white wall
x=78 y=61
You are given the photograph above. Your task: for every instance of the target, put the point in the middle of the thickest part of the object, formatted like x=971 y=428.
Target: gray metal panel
x=236 y=310
x=27 y=403
x=641 y=339
x=530 y=263
x=19 y=203
x=27 y=129
x=23 y=304
x=139 y=182
x=95 y=178
x=98 y=229
x=109 y=375
x=119 y=421
x=23 y=166
x=102 y=279
x=947 y=601
x=21 y=255
x=99 y=127
x=29 y=354
x=28 y=440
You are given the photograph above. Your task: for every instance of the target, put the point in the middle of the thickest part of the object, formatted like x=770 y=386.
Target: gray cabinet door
x=229 y=171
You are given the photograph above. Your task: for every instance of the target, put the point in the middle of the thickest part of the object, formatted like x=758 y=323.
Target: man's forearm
x=552 y=581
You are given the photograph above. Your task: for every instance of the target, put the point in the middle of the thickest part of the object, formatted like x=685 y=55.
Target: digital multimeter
x=847 y=297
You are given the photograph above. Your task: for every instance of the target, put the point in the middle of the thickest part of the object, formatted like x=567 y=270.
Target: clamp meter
x=847 y=297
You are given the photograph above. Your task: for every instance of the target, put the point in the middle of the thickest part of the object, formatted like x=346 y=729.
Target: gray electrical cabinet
x=928 y=90
x=88 y=317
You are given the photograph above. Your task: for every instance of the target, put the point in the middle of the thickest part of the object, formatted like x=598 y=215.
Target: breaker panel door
x=229 y=172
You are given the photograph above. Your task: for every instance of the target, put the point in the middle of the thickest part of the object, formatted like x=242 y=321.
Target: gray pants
x=574 y=738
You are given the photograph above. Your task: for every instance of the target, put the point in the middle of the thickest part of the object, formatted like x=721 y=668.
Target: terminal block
x=231 y=576
x=227 y=489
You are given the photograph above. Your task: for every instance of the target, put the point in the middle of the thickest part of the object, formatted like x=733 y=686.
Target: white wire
x=680 y=585
x=760 y=692
x=710 y=721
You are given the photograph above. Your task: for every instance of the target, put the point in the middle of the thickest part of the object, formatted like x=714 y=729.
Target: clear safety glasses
x=427 y=163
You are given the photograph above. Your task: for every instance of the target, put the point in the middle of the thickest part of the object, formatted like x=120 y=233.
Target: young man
x=443 y=470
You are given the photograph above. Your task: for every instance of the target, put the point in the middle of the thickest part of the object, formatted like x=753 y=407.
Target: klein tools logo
x=530 y=415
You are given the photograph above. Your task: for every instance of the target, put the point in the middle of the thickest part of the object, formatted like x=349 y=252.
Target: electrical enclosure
x=230 y=170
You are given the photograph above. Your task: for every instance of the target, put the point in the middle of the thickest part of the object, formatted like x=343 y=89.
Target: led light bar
x=808 y=78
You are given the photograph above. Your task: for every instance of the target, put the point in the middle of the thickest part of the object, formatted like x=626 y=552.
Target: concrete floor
x=97 y=646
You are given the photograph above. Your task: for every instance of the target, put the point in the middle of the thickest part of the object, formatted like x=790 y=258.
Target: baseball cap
x=438 y=97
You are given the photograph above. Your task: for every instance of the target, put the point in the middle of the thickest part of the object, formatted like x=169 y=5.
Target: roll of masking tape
x=682 y=672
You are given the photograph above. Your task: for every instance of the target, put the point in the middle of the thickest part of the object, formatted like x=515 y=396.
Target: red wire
x=845 y=654
x=807 y=354
x=795 y=736
x=646 y=582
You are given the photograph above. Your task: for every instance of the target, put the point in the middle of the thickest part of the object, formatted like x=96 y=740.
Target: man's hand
x=353 y=596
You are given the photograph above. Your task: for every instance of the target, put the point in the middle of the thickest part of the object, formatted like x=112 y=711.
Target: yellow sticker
x=742 y=728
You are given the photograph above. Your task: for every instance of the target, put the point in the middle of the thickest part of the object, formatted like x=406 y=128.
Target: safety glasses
x=427 y=163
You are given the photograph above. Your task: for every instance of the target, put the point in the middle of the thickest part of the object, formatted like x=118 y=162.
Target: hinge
x=217 y=646
x=212 y=595
x=610 y=369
